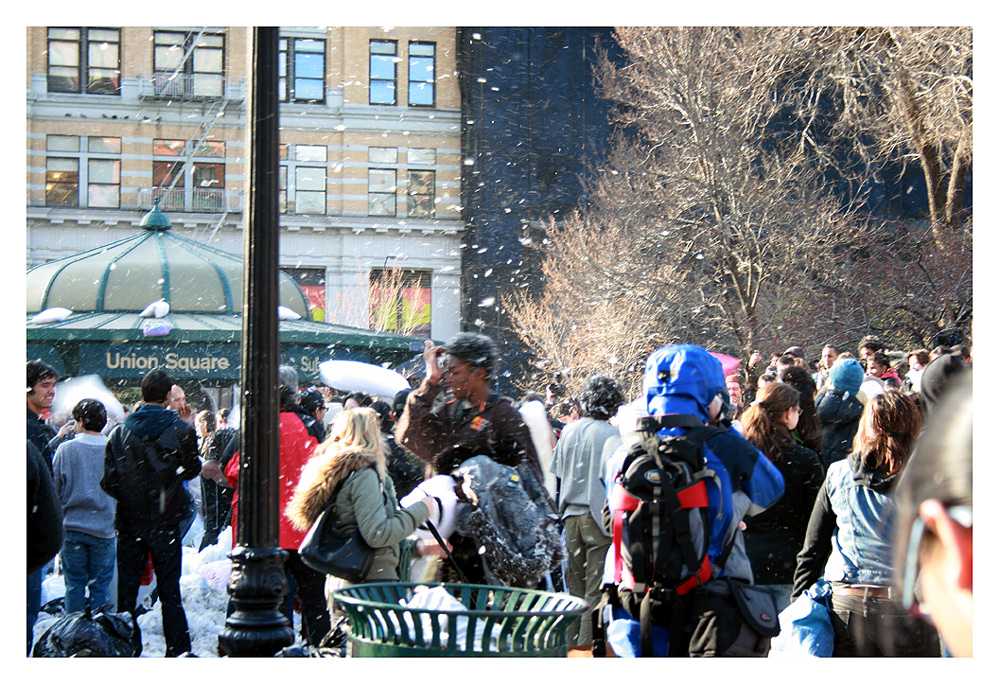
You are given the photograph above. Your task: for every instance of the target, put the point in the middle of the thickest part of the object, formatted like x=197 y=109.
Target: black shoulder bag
x=328 y=550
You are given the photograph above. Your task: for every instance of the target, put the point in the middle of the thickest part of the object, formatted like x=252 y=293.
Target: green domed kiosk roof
x=153 y=264
x=107 y=287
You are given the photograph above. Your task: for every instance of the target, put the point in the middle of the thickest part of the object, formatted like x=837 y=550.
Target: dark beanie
x=796 y=351
x=939 y=376
x=399 y=402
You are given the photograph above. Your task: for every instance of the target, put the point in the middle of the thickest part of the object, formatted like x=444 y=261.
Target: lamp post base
x=258 y=586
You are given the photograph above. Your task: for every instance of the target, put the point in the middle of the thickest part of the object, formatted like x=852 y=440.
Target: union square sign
x=189 y=360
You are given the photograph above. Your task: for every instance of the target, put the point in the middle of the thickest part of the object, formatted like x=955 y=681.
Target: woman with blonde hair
x=349 y=470
x=850 y=534
x=775 y=536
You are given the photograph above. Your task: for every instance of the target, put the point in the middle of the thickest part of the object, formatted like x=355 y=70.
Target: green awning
x=122 y=327
x=190 y=327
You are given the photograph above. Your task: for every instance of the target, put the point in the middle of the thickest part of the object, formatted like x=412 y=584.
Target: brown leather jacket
x=448 y=434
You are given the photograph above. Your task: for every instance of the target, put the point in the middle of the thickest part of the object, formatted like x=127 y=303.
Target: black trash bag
x=54 y=607
x=518 y=534
x=80 y=634
x=333 y=644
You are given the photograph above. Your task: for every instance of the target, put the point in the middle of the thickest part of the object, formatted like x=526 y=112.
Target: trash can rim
x=343 y=595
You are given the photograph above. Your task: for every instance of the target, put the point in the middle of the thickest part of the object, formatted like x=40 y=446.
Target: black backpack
x=658 y=516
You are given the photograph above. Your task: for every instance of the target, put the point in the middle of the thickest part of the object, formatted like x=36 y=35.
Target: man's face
x=828 y=357
x=569 y=418
x=178 y=398
x=460 y=378
x=41 y=395
x=735 y=392
x=866 y=354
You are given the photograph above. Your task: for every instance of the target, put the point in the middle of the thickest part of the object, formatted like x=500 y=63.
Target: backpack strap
x=599 y=618
x=721 y=560
x=619 y=503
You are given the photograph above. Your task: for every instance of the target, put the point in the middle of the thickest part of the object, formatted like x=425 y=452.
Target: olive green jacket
x=366 y=502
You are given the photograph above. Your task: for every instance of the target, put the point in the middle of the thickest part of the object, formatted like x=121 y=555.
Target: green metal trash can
x=388 y=619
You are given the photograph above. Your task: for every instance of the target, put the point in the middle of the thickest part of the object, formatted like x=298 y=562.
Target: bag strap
x=336 y=490
x=609 y=598
x=437 y=536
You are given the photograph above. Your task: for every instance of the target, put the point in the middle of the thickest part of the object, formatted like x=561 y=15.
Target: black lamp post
x=258 y=585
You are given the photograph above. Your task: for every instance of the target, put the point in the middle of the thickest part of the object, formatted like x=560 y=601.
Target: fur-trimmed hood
x=319 y=480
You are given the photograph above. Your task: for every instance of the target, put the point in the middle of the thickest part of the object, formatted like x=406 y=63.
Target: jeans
x=782 y=594
x=164 y=545
x=879 y=627
x=88 y=562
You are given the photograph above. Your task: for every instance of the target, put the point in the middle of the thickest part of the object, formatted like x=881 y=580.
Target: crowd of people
x=813 y=483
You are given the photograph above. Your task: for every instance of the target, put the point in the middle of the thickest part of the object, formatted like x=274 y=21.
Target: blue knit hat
x=847 y=375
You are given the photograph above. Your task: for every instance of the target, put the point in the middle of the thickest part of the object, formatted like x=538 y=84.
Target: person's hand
x=212 y=470
x=754 y=359
x=66 y=429
x=432 y=507
x=185 y=412
x=432 y=353
x=427 y=548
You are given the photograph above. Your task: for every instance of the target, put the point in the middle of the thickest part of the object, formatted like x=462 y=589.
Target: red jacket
x=296 y=447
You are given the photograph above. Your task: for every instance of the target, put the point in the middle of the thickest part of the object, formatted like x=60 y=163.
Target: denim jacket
x=850 y=529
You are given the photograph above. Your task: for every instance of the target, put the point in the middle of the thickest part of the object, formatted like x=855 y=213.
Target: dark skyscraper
x=532 y=125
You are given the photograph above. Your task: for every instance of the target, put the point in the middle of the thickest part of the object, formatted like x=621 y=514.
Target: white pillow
x=286 y=314
x=51 y=315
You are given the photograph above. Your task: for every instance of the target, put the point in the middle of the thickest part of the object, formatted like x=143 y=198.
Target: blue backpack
x=658 y=516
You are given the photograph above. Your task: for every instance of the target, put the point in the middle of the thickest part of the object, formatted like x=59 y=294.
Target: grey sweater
x=77 y=469
x=578 y=463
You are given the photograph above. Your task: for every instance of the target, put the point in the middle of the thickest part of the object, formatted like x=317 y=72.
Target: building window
x=305 y=166
x=420 y=194
x=104 y=174
x=62 y=182
x=188 y=64
x=399 y=300
x=302 y=70
x=382 y=155
x=421 y=75
x=84 y=60
x=381 y=192
x=419 y=155
x=189 y=177
x=382 y=72
x=92 y=163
